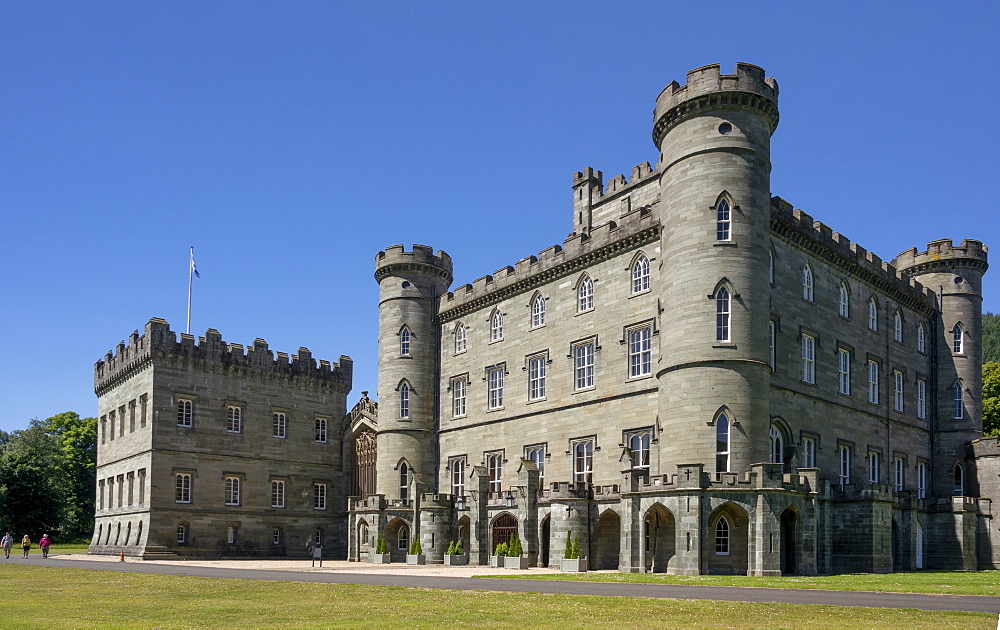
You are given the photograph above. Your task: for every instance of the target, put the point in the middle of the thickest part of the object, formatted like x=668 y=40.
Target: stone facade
x=210 y=449
x=700 y=379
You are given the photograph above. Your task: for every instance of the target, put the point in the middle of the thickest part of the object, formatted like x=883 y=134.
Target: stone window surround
x=282 y=491
x=573 y=443
x=542 y=356
x=464 y=379
x=240 y=479
x=625 y=341
x=191 y=473
x=176 y=401
x=627 y=436
x=325 y=495
x=573 y=346
x=239 y=405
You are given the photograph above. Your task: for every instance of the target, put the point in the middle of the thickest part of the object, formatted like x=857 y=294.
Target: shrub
x=576 y=546
x=380 y=546
x=451 y=549
x=501 y=549
x=415 y=547
x=569 y=553
x=458 y=548
x=514 y=546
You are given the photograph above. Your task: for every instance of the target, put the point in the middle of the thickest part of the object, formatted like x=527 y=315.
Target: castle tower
x=410 y=284
x=955 y=274
x=714 y=136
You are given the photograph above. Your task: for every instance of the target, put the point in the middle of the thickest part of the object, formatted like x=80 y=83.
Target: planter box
x=380 y=558
x=576 y=565
x=416 y=559
x=456 y=561
x=496 y=561
x=515 y=563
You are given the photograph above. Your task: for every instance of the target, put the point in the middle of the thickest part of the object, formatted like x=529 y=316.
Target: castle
x=700 y=379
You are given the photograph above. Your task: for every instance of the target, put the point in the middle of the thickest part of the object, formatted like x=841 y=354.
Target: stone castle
x=700 y=379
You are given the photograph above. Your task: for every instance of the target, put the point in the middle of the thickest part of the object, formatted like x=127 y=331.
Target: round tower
x=410 y=284
x=955 y=275
x=714 y=137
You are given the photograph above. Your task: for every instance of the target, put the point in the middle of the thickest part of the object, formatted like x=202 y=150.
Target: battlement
x=159 y=342
x=422 y=258
x=820 y=240
x=578 y=251
x=758 y=92
x=970 y=253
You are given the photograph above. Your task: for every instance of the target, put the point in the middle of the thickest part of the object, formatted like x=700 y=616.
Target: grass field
x=951 y=582
x=54 y=597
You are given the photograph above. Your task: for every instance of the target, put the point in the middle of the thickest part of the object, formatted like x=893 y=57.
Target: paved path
x=400 y=577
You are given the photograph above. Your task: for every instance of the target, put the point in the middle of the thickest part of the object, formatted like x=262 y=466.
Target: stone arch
x=462 y=533
x=958 y=479
x=790 y=535
x=658 y=538
x=501 y=527
x=100 y=530
x=138 y=534
x=364 y=537
x=544 y=540
x=608 y=539
x=397 y=537
x=118 y=533
x=128 y=532
x=726 y=547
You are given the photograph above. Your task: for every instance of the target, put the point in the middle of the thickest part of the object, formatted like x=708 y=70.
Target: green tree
x=991 y=398
x=31 y=492
x=77 y=441
x=991 y=338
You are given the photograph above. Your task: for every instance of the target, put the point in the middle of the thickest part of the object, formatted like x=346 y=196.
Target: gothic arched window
x=722 y=311
x=585 y=295
x=872 y=314
x=460 y=338
x=723 y=221
x=722 y=443
x=807 y=283
x=537 y=311
x=404 y=401
x=722 y=537
x=496 y=326
x=640 y=274
x=958 y=339
x=844 y=307
x=404 y=342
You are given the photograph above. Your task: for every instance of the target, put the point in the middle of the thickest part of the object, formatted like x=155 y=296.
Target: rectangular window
x=131 y=416
x=874 y=466
x=111 y=424
x=921 y=398
x=319 y=496
x=494 y=468
x=844 y=455
x=121 y=421
x=584 y=365
x=111 y=492
x=321 y=430
x=131 y=486
x=583 y=461
x=185 y=415
x=458 y=387
x=457 y=467
x=232 y=490
x=640 y=351
x=143 y=401
x=100 y=494
x=121 y=490
x=142 y=486
x=844 y=371
x=873 y=382
x=809 y=452
x=921 y=480
x=278 y=494
x=495 y=389
x=808 y=359
x=899 y=469
x=771 y=344
x=234 y=419
x=536 y=378
x=897 y=390
x=182 y=492
x=279 y=425
x=104 y=429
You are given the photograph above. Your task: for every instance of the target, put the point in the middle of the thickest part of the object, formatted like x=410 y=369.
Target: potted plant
x=455 y=557
x=381 y=555
x=496 y=560
x=415 y=556
x=514 y=559
x=572 y=562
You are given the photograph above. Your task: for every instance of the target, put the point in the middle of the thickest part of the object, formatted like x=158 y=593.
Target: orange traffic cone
x=122 y=559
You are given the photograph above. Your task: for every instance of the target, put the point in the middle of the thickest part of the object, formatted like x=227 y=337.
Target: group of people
x=7 y=542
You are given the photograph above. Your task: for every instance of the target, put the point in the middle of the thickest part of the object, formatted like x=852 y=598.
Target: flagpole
x=190 y=282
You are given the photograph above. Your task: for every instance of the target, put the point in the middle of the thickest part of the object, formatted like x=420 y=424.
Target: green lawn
x=951 y=582
x=71 y=598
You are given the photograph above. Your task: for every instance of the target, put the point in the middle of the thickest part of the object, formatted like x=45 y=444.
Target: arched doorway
x=503 y=526
x=789 y=523
x=726 y=545
x=658 y=539
x=543 y=558
x=609 y=527
x=397 y=538
x=463 y=533
x=918 y=556
x=364 y=545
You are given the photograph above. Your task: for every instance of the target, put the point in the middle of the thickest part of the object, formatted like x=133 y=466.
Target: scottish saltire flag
x=194 y=267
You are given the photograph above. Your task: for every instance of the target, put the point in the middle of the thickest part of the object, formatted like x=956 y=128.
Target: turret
x=410 y=285
x=955 y=274
x=714 y=136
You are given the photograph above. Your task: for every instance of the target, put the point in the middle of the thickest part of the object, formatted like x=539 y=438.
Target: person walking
x=43 y=544
x=26 y=545
x=7 y=542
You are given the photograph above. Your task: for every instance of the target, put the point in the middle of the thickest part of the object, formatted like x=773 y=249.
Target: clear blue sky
x=291 y=141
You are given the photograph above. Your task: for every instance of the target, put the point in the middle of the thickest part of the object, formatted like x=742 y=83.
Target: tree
x=77 y=441
x=31 y=495
x=991 y=398
x=991 y=338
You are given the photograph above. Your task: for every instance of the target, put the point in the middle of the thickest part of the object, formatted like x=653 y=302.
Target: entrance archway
x=726 y=542
x=658 y=539
x=503 y=526
x=463 y=533
x=543 y=560
x=609 y=527
x=789 y=525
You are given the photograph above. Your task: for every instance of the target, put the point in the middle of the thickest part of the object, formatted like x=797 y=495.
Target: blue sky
x=289 y=142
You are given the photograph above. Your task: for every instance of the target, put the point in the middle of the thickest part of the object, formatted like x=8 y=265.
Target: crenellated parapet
x=579 y=251
x=707 y=89
x=617 y=185
x=943 y=254
x=159 y=343
x=395 y=259
x=820 y=240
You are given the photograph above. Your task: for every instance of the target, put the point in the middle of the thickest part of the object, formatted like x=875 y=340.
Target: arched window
x=182 y=534
x=460 y=338
x=959 y=401
x=585 y=295
x=404 y=401
x=722 y=537
x=496 y=326
x=723 y=221
x=872 y=314
x=958 y=339
x=807 y=283
x=722 y=314
x=959 y=481
x=897 y=326
x=722 y=443
x=403 y=539
x=363 y=533
x=844 y=307
x=231 y=535
x=404 y=480
x=638 y=443
x=537 y=311
x=777 y=446
x=276 y=537
x=640 y=274
x=404 y=342
x=921 y=338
